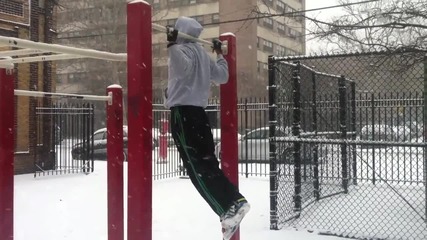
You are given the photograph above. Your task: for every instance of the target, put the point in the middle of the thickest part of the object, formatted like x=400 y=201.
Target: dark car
x=99 y=137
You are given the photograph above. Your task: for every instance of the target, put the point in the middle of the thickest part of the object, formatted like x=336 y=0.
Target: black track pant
x=193 y=137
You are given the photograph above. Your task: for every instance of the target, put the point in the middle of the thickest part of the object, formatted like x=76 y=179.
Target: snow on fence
x=367 y=179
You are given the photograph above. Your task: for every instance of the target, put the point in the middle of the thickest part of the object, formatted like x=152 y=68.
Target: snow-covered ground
x=74 y=207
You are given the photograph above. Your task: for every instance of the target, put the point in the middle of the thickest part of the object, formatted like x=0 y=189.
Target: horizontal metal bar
x=348 y=141
x=41 y=58
x=20 y=52
x=63 y=113
x=62 y=109
x=183 y=35
x=61 y=95
x=55 y=48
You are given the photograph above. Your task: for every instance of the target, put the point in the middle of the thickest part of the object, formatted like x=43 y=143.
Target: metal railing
x=70 y=147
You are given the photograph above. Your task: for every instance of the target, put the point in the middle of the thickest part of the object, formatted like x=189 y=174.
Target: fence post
x=163 y=144
x=246 y=141
x=353 y=129
x=115 y=163
x=140 y=120
x=7 y=129
x=272 y=109
x=425 y=134
x=296 y=130
x=373 y=135
x=343 y=128
x=316 y=147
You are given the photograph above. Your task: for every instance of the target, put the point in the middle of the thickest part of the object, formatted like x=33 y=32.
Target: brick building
x=33 y=20
x=102 y=25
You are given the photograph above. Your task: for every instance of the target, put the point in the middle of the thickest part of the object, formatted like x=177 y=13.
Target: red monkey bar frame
x=114 y=150
x=228 y=94
x=115 y=163
x=7 y=128
x=140 y=119
x=139 y=60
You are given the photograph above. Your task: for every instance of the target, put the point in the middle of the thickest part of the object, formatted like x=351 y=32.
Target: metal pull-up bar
x=62 y=95
x=183 y=35
x=186 y=36
x=55 y=48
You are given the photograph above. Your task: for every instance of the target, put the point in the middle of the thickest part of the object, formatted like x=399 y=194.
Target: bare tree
x=382 y=25
x=95 y=25
x=99 y=25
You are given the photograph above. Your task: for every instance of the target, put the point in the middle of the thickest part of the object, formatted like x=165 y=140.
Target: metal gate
x=344 y=161
x=61 y=131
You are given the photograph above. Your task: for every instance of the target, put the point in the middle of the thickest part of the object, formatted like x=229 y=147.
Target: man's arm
x=219 y=69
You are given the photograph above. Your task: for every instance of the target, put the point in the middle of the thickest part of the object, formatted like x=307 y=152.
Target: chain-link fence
x=347 y=151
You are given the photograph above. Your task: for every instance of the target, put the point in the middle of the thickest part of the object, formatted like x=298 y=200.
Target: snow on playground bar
x=62 y=95
x=55 y=48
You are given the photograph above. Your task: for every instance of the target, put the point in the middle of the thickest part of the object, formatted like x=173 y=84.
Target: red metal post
x=229 y=161
x=163 y=141
x=115 y=163
x=139 y=120
x=7 y=108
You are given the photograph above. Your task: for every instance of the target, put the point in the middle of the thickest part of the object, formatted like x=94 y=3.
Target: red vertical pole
x=229 y=161
x=139 y=120
x=115 y=163
x=7 y=108
x=163 y=141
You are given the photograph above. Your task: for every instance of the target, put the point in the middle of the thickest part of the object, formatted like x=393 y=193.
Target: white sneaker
x=230 y=221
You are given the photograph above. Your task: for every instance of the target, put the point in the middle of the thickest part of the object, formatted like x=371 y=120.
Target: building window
x=281 y=28
x=199 y=19
x=265 y=66
x=257 y=42
x=156 y=49
x=268 y=22
x=268 y=2
x=215 y=18
x=293 y=33
x=12 y=7
x=174 y=3
x=156 y=4
x=268 y=46
x=281 y=6
x=290 y=9
x=171 y=22
x=280 y=50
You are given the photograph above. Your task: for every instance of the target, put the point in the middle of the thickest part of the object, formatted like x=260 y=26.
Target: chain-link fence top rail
x=357 y=166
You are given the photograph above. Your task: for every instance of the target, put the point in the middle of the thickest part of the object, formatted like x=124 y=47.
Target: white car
x=216 y=132
x=255 y=145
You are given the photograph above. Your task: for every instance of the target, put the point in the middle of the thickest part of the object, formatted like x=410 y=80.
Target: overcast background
x=314 y=45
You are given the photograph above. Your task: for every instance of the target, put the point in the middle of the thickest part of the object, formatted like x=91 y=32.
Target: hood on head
x=188 y=26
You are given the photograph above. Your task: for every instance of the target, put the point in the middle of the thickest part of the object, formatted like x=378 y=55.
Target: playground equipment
x=139 y=68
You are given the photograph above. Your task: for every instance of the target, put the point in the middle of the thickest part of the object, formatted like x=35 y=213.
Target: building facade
x=257 y=36
x=33 y=20
x=102 y=24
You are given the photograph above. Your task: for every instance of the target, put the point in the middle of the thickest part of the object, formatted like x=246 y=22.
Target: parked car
x=377 y=132
x=255 y=146
x=216 y=132
x=100 y=144
x=417 y=129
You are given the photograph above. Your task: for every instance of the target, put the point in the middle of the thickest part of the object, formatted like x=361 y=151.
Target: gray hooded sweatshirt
x=191 y=69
